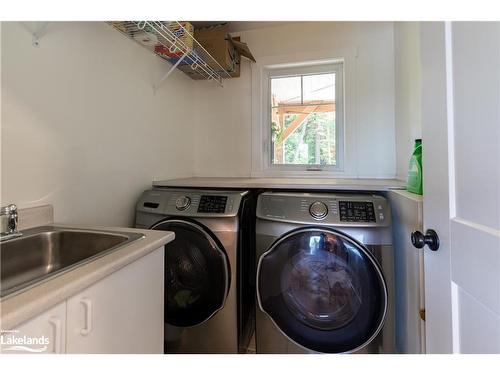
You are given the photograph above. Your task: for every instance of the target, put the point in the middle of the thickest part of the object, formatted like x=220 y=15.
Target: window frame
x=335 y=66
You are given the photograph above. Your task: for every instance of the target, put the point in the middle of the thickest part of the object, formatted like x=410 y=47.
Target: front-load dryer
x=209 y=301
x=324 y=273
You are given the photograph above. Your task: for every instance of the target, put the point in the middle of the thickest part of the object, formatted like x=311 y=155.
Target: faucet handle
x=11 y=212
x=9 y=209
x=12 y=221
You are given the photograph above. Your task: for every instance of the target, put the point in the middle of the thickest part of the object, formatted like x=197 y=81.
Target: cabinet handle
x=87 y=304
x=56 y=322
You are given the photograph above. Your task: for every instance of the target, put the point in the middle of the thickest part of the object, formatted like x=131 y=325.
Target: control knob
x=318 y=210
x=182 y=203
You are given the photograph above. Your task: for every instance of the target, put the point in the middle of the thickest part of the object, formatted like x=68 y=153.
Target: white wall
x=223 y=116
x=81 y=128
x=408 y=92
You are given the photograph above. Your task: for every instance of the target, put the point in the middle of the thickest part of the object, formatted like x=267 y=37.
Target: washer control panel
x=346 y=209
x=191 y=202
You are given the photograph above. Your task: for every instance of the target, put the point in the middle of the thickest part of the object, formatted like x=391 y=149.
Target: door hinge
x=421 y=312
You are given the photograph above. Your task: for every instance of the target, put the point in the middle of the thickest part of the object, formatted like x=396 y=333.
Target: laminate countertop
x=25 y=305
x=361 y=184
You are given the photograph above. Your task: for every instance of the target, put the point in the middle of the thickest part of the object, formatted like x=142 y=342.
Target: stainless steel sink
x=44 y=252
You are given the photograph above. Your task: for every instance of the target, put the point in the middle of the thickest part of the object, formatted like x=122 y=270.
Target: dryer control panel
x=191 y=202
x=334 y=209
x=213 y=204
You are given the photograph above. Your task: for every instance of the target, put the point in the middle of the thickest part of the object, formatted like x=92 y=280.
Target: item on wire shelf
x=181 y=42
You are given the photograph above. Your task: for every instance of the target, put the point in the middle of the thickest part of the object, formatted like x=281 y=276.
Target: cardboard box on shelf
x=242 y=48
x=198 y=74
x=214 y=40
x=226 y=51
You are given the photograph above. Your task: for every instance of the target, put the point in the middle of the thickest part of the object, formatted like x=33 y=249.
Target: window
x=305 y=119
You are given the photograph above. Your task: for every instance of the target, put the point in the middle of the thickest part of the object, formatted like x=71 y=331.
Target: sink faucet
x=12 y=232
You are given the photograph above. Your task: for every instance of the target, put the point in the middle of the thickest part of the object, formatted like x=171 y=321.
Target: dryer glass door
x=323 y=290
x=197 y=274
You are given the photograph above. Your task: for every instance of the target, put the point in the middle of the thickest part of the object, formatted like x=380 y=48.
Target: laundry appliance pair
x=307 y=272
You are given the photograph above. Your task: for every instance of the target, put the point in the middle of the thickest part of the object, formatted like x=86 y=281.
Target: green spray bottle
x=414 y=183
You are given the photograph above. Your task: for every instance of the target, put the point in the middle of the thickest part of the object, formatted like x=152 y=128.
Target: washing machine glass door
x=197 y=274
x=323 y=290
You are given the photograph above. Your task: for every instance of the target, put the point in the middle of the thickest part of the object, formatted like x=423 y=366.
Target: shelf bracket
x=165 y=76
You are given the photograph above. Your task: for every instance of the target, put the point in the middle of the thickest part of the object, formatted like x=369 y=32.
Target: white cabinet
x=123 y=313
x=44 y=333
x=409 y=267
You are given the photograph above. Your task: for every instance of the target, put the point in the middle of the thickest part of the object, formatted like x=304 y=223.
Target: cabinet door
x=122 y=313
x=409 y=272
x=44 y=333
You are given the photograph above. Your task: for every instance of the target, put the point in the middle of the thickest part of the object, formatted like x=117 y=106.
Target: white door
x=122 y=313
x=461 y=163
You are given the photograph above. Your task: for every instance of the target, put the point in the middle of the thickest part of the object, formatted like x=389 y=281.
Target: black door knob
x=430 y=238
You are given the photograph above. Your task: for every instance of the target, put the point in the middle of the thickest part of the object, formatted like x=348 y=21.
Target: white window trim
x=302 y=63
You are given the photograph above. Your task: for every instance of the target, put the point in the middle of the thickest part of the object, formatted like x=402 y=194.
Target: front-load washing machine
x=209 y=299
x=324 y=273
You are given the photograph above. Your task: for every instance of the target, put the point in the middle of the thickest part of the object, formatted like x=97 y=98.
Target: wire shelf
x=171 y=41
